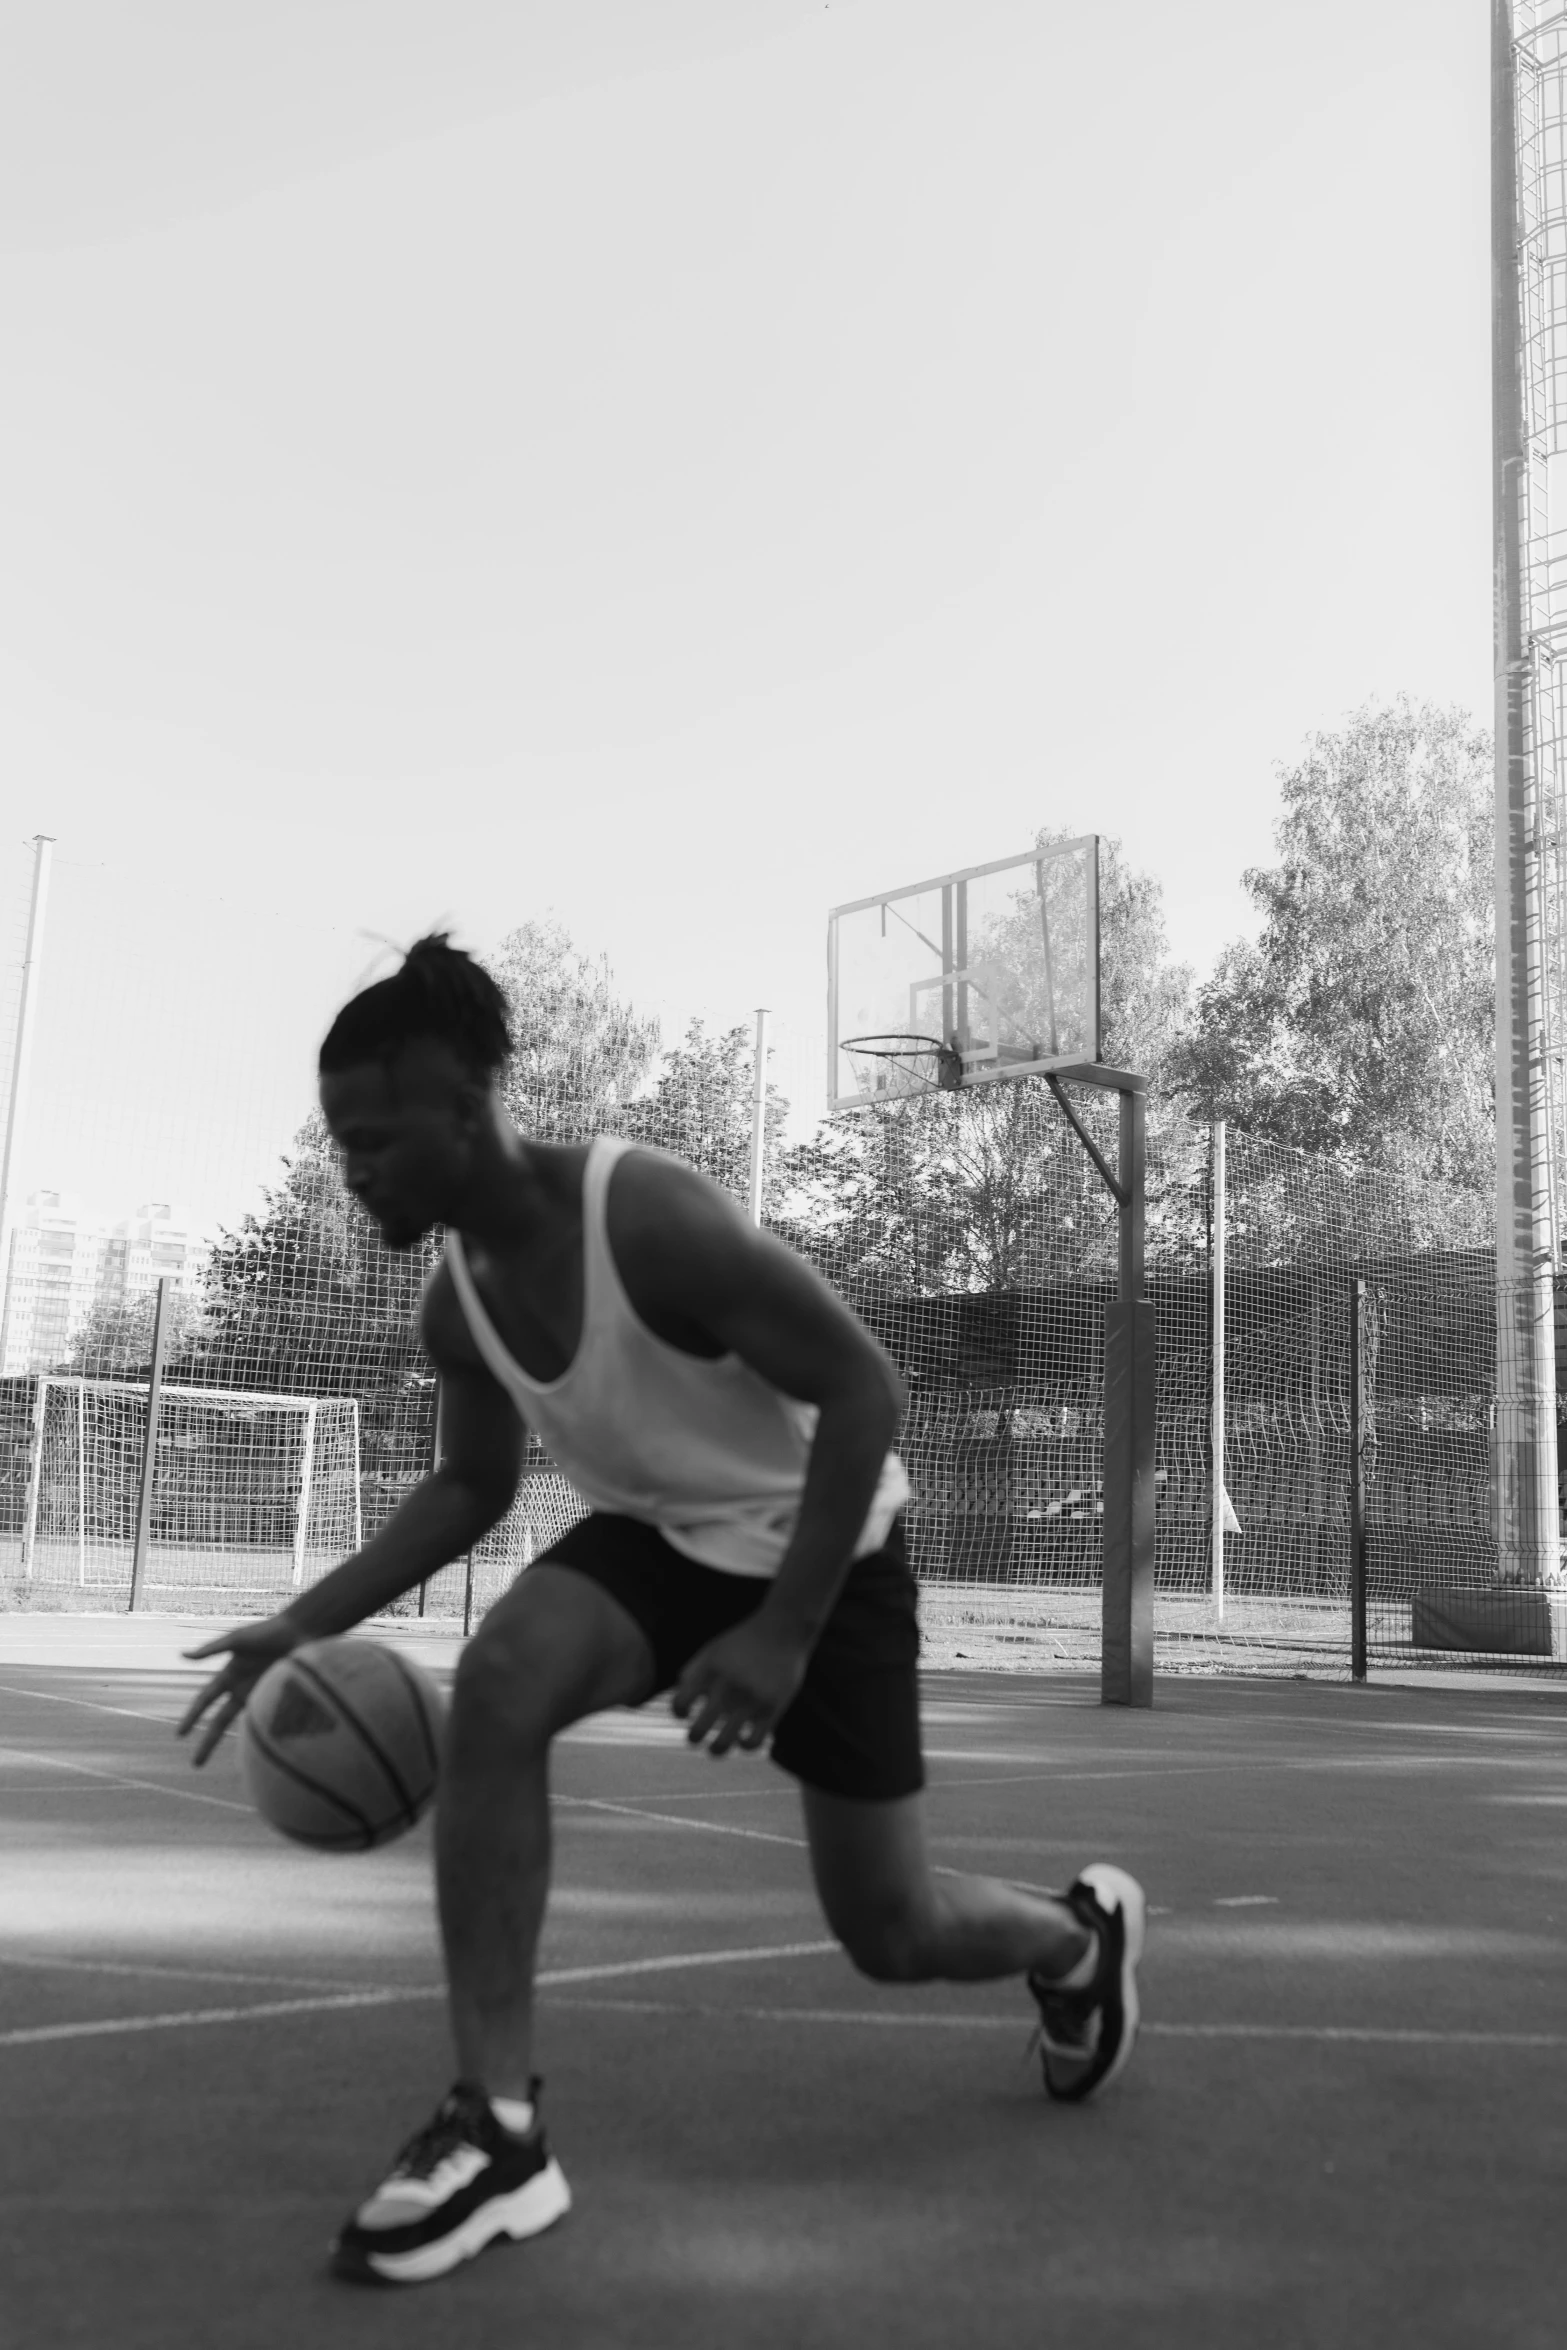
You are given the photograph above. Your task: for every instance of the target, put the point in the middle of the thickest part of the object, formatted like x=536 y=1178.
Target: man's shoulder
x=443 y=1325
x=653 y=1195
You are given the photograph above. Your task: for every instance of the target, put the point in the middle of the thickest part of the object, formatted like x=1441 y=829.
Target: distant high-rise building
x=64 y=1264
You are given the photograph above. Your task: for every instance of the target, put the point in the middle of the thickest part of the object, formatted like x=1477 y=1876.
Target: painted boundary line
x=110 y=2027
x=57 y=1762
x=669 y=1819
x=857 y=2018
x=1358 y=2035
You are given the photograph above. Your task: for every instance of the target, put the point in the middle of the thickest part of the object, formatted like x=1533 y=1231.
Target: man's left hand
x=734 y=1690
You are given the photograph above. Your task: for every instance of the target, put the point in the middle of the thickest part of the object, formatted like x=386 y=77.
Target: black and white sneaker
x=1087 y=2035
x=459 y=2183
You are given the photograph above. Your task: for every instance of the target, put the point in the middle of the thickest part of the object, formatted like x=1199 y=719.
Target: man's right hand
x=250 y=1649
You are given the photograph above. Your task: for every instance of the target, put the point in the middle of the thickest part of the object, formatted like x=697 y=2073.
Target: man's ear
x=472 y=1105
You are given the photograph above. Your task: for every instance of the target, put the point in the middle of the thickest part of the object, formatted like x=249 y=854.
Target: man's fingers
x=725 y=1719
x=215 y=1729
x=213 y=1647
x=708 y=1711
x=210 y=1691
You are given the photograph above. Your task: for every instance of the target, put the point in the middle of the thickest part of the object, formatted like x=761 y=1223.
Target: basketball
x=338 y=1746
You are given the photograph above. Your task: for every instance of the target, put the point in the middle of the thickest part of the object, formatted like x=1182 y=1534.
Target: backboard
x=989 y=973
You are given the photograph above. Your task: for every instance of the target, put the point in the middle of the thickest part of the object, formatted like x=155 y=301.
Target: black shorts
x=854 y=1728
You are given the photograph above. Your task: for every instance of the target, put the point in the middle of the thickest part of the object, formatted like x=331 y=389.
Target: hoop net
x=894 y=1066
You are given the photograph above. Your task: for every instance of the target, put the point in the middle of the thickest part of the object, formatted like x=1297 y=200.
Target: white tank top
x=705 y=1450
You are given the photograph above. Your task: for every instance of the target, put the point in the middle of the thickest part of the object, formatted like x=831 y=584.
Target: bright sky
x=682 y=466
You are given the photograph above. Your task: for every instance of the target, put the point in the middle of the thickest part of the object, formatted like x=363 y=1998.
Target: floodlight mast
x=1529 y=412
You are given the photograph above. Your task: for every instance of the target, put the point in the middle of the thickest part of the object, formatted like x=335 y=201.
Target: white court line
x=110 y=2027
x=55 y=1762
x=1358 y=2035
x=88 y=1705
x=669 y=1819
x=1403 y=1765
x=52 y=1962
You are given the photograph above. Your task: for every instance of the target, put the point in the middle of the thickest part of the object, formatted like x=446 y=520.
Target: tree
x=701 y=1107
x=114 y=1340
x=1145 y=998
x=1361 y=1020
x=579 y=1054
x=304 y=1298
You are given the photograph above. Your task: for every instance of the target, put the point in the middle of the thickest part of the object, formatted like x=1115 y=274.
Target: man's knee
x=500 y=1694
x=889 y=1946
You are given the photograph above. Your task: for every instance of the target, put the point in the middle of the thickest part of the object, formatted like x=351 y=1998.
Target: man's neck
x=518 y=1191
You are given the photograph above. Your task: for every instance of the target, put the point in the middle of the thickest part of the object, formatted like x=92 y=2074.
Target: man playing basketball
x=730 y=1423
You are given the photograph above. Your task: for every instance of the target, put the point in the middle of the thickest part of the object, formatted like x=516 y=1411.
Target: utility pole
x=26 y=1017
x=1524 y=89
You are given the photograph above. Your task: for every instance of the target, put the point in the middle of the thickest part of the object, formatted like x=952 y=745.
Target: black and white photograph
x=783 y=1174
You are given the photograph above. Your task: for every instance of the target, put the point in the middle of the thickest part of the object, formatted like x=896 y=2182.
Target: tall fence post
x=1218 y=1494
x=306 y=1477
x=16 y=1105
x=1357 y=1482
x=432 y=1463
x=35 y=1477
x=759 y=1116
x=149 y=1452
x=81 y=1480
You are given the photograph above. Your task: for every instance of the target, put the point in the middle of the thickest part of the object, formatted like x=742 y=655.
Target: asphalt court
x=1347 y=2121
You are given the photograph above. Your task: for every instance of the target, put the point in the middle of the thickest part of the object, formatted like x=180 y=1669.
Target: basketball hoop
x=894 y=1067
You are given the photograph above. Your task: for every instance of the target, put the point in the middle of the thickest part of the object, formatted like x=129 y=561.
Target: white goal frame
x=248 y=1398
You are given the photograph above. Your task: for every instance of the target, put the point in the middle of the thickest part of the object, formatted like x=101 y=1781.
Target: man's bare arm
x=447 y=1512
x=444 y=1515
x=688 y=1257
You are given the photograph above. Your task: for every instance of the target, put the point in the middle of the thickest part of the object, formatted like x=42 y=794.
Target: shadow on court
x=1347 y=2122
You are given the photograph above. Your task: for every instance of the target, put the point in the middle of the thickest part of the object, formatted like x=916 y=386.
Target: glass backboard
x=985 y=974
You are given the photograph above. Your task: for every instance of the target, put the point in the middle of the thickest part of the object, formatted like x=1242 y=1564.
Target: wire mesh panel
x=1435 y=1433
x=969 y=1229
x=251 y=1493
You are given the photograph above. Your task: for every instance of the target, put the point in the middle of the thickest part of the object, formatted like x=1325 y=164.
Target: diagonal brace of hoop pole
x=1117 y=1191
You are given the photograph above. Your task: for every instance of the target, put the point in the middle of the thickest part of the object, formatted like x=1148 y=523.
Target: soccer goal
x=249 y=1491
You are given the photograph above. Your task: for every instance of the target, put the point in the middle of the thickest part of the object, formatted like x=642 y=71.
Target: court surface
x=1346 y=2124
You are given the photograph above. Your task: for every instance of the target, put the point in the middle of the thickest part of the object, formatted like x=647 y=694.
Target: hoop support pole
x=1111 y=1184
x=1130 y=1401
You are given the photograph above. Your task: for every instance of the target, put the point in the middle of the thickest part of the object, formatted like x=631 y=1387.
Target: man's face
x=406 y=1131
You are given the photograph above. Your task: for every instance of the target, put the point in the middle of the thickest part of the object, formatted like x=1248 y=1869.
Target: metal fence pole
x=433 y=1463
x=1357 y=1484
x=1217 y=1495
x=21 y=1059
x=149 y=1453
x=759 y=1117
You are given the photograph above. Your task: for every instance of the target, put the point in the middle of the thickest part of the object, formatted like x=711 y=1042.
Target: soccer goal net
x=249 y=1492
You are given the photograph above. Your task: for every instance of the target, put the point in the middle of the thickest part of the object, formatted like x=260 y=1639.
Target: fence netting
x=1438 y=1428
x=974 y=1236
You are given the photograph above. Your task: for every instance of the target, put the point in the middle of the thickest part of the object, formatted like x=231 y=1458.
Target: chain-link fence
x=1435 y=1431
x=970 y=1231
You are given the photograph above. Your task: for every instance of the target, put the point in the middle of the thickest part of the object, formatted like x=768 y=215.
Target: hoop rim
x=924 y=1062
x=893 y=1044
